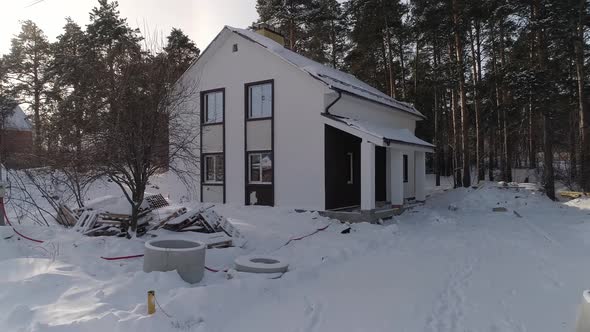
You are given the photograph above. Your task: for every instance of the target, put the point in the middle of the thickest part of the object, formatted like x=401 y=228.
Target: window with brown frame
x=213 y=107
x=260 y=168
x=213 y=168
x=260 y=101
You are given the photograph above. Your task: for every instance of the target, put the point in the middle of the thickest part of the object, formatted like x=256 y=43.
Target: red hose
x=26 y=237
x=304 y=236
x=120 y=257
x=14 y=229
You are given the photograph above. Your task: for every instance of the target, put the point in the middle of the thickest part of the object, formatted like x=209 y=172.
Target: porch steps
x=372 y=216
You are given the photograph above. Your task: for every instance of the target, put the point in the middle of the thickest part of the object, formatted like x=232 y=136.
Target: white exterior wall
x=298 y=129
x=409 y=186
x=356 y=108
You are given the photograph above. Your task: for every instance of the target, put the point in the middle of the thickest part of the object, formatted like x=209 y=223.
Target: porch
x=372 y=171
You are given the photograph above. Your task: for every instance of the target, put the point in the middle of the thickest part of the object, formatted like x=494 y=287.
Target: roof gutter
x=333 y=102
x=389 y=141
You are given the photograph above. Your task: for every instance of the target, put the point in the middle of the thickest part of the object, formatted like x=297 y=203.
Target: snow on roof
x=17 y=120
x=334 y=78
x=388 y=134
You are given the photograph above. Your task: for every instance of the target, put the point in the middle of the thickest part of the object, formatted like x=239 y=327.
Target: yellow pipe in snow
x=151 y=302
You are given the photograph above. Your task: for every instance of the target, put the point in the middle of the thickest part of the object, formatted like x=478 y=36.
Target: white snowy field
x=436 y=269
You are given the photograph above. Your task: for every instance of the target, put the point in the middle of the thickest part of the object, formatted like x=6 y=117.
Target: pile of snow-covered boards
x=66 y=217
x=98 y=223
x=219 y=224
x=202 y=220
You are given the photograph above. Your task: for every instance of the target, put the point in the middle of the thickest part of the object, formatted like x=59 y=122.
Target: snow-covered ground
x=435 y=269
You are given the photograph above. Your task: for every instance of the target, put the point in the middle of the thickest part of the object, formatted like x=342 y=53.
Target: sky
x=200 y=19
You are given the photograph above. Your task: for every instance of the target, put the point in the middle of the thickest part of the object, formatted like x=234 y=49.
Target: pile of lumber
x=203 y=220
x=100 y=223
x=573 y=194
x=97 y=222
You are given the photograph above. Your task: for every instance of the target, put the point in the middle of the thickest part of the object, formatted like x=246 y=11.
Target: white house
x=279 y=129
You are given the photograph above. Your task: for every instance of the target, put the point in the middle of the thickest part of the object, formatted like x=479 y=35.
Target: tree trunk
x=476 y=65
x=392 y=86
x=416 y=70
x=548 y=176
x=437 y=141
x=584 y=117
x=491 y=151
x=531 y=139
x=507 y=164
x=572 y=147
x=462 y=95
x=402 y=68
x=548 y=157
x=456 y=142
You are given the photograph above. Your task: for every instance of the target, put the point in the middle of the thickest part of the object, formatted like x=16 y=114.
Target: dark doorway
x=380 y=174
x=342 y=169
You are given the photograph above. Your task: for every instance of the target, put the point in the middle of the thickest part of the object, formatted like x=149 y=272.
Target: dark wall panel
x=380 y=174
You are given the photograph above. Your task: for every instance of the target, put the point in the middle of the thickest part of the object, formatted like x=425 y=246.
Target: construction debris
x=66 y=217
x=499 y=209
x=156 y=201
x=573 y=194
x=98 y=222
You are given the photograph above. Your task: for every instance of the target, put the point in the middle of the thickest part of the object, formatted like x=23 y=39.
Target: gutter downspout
x=333 y=102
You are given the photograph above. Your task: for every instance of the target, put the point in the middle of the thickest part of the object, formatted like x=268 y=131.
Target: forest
x=504 y=84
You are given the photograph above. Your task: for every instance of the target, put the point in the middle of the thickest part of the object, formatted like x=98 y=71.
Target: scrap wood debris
x=573 y=194
x=97 y=222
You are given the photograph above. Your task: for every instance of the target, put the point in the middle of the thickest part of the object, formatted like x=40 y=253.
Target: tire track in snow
x=312 y=313
x=538 y=231
x=449 y=308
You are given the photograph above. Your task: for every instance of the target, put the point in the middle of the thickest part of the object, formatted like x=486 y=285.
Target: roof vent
x=270 y=32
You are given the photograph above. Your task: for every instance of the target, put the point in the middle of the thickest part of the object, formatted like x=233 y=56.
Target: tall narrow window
x=214 y=171
x=405 y=168
x=349 y=164
x=260 y=168
x=260 y=101
x=213 y=105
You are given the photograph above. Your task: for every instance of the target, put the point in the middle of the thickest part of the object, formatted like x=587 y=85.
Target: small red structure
x=16 y=139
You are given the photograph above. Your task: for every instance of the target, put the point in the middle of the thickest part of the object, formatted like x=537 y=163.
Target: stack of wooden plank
x=66 y=217
x=98 y=223
x=93 y=222
x=573 y=194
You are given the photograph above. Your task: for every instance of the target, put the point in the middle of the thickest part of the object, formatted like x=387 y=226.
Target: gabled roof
x=17 y=120
x=383 y=135
x=334 y=78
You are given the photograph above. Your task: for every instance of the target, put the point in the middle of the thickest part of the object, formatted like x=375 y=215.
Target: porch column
x=420 y=177
x=367 y=175
x=396 y=177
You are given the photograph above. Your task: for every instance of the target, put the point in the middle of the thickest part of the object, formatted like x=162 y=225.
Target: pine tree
x=112 y=45
x=289 y=16
x=180 y=50
x=26 y=66
x=324 y=33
